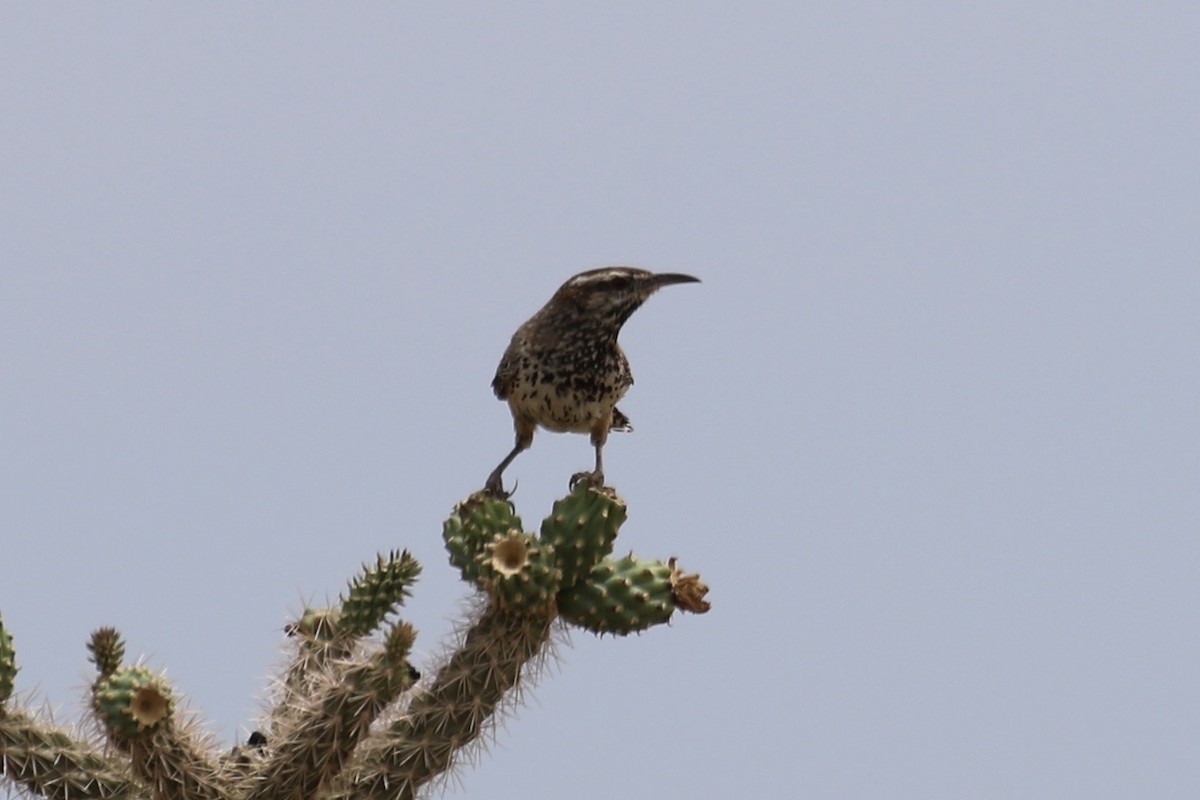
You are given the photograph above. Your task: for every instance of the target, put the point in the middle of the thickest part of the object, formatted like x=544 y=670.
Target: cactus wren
x=564 y=370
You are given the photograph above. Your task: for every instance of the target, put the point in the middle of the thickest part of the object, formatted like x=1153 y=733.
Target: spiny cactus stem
x=48 y=762
x=454 y=710
x=322 y=738
x=173 y=764
x=321 y=645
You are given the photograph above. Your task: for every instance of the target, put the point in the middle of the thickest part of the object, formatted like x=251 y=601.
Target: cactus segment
x=133 y=702
x=581 y=528
x=377 y=592
x=107 y=650
x=455 y=709
x=306 y=758
x=49 y=762
x=519 y=571
x=8 y=664
x=472 y=526
x=620 y=596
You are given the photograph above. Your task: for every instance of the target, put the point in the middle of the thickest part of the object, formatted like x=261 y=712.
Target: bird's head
x=612 y=294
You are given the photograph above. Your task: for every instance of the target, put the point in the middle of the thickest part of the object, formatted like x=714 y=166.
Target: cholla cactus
x=352 y=719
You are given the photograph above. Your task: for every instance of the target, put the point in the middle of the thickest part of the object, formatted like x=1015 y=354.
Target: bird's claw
x=595 y=479
x=495 y=487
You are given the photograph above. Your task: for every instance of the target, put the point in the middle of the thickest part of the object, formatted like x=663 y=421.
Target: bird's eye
x=619 y=282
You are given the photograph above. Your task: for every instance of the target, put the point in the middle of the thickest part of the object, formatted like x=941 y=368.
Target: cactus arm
x=173 y=764
x=322 y=737
x=581 y=530
x=136 y=707
x=326 y=637
x=377 y=592
x=628 y=595
x=44 y=759
x=49 y=762
x=454 y=711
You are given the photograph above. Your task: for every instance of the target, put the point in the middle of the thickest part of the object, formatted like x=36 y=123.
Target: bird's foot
x=595 y=479
x=495 y=487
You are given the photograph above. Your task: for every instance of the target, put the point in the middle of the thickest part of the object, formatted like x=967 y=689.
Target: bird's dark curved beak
x=668 y=278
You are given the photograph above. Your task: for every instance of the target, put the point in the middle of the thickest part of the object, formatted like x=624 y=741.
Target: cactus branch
x=49 y=762
x=315 y=749
x=453 y=712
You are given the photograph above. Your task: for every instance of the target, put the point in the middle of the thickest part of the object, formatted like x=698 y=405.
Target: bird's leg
x=494 y=485
x=596 y=476
x=524 y=439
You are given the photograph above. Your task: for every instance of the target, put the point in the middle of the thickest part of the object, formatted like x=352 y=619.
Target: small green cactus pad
x=377 y=591
x=8 y=664
x=133 y=702
x=520 y=572
x=581 y=528
x=630 y=594
x=471 y=527
x=107 y=650
x=620 y=597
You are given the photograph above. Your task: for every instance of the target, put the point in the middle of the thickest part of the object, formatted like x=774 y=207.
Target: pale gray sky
x=928 y=428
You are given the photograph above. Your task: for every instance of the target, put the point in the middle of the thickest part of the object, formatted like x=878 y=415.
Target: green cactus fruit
x=472 y=526
x=519 y=571
x=581 y=528
x=8 y=664
x=133 y=702
x=107 y=649
x=377 y=591
x=620 y=596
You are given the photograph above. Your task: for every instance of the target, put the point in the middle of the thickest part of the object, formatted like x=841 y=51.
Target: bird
x=563 y=369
